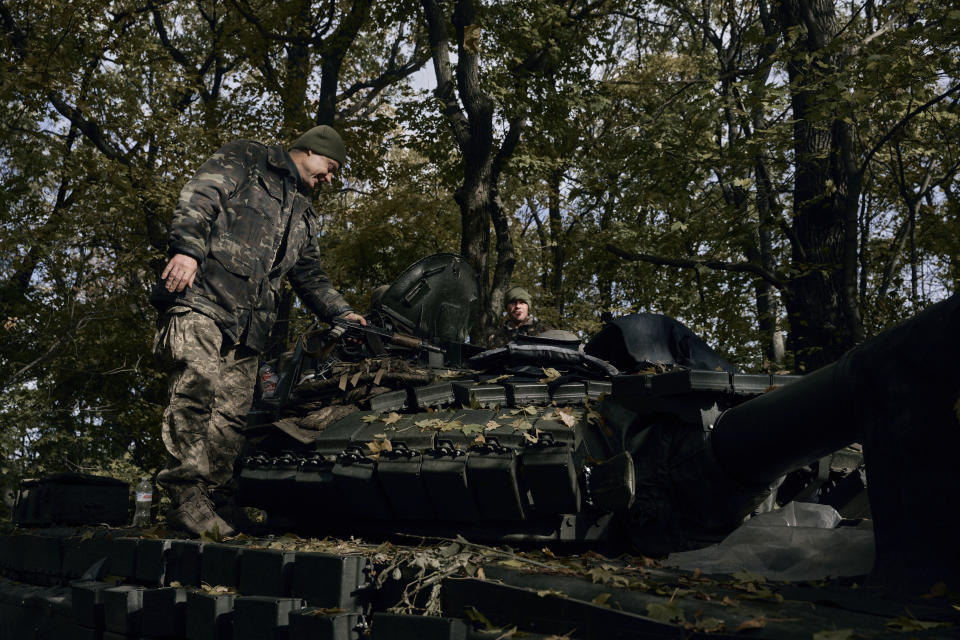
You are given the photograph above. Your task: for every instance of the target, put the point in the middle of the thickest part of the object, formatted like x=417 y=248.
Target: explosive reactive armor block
x=263 y=617
x=164 y=612
x=72 y=499
x=122 y=609
x=209 y=616
x=390 y=626
x=331 y=581
x=319 y=624
x=266 y=572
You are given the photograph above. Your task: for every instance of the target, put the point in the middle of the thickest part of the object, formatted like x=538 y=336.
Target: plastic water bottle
x=143 y=502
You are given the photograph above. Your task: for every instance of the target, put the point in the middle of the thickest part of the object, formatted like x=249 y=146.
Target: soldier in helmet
x=519 y=322
x=241 y=224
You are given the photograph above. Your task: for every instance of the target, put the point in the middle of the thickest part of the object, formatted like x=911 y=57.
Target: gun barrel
x=782 y=430
x=897 y=394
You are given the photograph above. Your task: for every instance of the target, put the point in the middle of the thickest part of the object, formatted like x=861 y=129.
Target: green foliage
x=664 y=129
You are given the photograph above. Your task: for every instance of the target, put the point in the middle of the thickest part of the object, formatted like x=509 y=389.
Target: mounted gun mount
x=544 y=441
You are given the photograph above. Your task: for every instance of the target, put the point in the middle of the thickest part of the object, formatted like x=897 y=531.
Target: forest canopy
x=780 y=175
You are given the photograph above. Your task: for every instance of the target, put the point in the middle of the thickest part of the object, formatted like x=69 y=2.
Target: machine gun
x=348 y=341
x=376 y=339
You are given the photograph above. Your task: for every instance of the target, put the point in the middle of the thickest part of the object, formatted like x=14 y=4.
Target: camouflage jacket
x=508 y=333
x=246 y=221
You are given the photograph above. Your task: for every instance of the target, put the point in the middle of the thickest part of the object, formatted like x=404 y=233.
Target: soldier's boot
x=225 y=505
x=196 y=515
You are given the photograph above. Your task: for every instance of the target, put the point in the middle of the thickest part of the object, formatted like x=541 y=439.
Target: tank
x=419 y=486
x=404 y=428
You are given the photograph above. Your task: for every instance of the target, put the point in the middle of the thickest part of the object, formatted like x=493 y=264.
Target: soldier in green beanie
x=517 y=304
x=242 y=224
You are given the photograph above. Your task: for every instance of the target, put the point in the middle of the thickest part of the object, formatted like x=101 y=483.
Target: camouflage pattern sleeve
x=201 y=199
x=313 y=286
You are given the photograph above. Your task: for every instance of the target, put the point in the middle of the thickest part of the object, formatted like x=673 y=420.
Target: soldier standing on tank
x=241 y=224
x=517 y=304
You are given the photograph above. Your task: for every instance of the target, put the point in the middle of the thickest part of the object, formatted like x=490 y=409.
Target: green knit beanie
x=325 y=141
x=518 y=293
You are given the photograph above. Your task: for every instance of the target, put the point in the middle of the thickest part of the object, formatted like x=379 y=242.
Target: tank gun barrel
x=897 y=394
x=782 y=430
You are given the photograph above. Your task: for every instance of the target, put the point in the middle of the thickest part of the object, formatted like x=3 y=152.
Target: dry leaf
x=369 y=419
x=514 y=564
x=747 y=577
x=550 y=373
x=755 y=623
x=343 y=382
x=670 y=612
x=707 y=625
x=471 y=38
x=355 y=378
x=393 y=417
x=453 y=425
x=601 y=600
x=476 y=616
x=904 y=623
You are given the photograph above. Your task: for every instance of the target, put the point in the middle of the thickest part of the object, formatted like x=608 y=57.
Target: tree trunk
x=768 y=307
x=821 y=299
x=478 y=196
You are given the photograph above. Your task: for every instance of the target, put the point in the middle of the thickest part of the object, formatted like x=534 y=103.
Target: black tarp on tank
x=636 y=340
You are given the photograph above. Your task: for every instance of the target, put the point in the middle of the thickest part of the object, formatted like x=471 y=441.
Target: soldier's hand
x=355 y=317
x=179 y=273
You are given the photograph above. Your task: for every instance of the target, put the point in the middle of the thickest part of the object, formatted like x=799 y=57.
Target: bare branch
x=716 y=265
x=440 y=51
x=904 y=121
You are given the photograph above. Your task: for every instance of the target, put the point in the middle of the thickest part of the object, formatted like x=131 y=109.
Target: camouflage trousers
x=211 y=390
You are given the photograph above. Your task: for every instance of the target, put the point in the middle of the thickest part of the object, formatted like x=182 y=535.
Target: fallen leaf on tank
x=904 y=623
x=601 y=600
x=453 y=425
x=669 y=612
x=550 y=374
